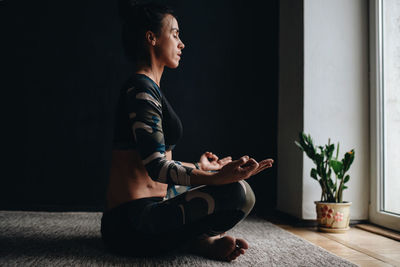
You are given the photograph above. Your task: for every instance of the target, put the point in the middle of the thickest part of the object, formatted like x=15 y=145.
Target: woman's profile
x=139 y=220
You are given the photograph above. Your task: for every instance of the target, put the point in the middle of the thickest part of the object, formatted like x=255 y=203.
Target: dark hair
x=137 y=19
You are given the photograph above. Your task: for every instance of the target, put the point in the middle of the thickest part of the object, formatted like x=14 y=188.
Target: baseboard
x=279 y=217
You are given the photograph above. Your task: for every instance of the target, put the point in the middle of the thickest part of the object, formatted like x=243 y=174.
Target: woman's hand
x=241 y=169
x=262 y=165
x=210 y=162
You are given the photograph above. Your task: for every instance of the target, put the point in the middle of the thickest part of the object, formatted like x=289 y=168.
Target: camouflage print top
x=147 y=123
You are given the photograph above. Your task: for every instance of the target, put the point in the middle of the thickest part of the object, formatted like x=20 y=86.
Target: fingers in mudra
x=249 y=166
x=241 y=169
x=255 y=167
x=264 y=164
x=244 y=166
x=237 y=170
x=225 y=161
x=211 y=157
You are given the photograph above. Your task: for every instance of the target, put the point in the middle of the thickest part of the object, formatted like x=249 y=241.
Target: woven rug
x=73 y=239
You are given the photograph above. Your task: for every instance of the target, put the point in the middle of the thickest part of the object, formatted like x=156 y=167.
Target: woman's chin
x=173 y=66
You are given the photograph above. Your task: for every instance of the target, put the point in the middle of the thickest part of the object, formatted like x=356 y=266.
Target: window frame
x=377 y=154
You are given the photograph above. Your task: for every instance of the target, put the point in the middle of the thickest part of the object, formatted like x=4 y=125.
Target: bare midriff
x=129 y=179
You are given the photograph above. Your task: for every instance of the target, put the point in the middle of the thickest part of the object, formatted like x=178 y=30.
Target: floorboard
x=358 y=246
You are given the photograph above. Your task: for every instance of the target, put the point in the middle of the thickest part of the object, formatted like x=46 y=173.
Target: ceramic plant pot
x=333 y=217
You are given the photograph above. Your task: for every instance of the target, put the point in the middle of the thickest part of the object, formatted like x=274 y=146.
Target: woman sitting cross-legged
x=139 y=220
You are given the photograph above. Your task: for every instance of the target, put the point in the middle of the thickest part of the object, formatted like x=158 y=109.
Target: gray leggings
x=150 y=226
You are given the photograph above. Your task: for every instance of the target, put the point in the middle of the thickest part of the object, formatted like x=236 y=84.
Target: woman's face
x=168 y=47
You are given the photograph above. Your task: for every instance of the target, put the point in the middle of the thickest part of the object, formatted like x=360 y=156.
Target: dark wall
x=72 y=67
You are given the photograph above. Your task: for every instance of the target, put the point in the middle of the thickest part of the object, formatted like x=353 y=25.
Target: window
x=385 y=112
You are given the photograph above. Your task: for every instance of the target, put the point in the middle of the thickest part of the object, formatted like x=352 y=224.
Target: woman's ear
x=151 y=38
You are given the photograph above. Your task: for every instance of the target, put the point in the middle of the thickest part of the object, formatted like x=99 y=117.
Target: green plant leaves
x=331 y=184
x=336 y=165
x=348 y=160
x=329 y=150
x=314 y=174
x=324 y=163
x=299 y=145
x=306 y=144
x=337 y=151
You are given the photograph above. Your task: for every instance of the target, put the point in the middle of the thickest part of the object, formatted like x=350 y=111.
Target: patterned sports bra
x=146 y=122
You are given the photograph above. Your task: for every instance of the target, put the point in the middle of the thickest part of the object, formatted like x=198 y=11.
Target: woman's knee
x=236 y=196
x=240 y=196
x=249 y=197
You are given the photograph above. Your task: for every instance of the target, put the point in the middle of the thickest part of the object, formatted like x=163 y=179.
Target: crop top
x=146 y=122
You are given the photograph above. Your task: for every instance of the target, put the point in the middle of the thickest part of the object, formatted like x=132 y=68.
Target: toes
x=232 y=257
x=242 y=243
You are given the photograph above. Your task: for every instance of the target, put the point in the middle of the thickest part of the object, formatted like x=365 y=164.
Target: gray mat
x=73 y=239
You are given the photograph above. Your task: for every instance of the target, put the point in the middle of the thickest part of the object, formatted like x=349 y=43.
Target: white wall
x=335 y=98
x=336 y=92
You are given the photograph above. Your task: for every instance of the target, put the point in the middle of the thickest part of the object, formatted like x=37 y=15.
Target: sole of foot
x=225 y=248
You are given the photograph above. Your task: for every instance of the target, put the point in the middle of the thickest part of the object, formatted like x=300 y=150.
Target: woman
x=139 y=220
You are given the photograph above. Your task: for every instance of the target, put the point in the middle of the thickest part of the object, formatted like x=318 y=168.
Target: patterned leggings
x=150 y=226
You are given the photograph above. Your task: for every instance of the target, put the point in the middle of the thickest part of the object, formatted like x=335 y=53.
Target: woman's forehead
x=170 y=23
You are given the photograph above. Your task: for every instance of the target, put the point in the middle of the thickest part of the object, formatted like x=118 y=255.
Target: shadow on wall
x=225 y=92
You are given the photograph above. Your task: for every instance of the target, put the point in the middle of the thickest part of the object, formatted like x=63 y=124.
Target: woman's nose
x=181 y=45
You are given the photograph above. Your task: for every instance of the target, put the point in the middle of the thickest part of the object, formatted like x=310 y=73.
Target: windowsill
x=380 y=231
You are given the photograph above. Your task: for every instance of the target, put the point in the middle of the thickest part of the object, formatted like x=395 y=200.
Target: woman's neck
x=153 y=72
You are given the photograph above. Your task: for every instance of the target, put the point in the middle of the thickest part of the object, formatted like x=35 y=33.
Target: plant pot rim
x=344 y=203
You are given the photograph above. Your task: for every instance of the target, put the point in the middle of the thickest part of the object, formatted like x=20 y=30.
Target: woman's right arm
x=144 y=109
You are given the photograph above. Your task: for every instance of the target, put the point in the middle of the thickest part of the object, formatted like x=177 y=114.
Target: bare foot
x=224 y=248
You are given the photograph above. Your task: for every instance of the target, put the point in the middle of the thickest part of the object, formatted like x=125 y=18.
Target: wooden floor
x=357 y=246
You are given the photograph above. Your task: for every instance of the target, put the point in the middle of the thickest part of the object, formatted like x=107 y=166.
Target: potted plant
x=333 y=214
